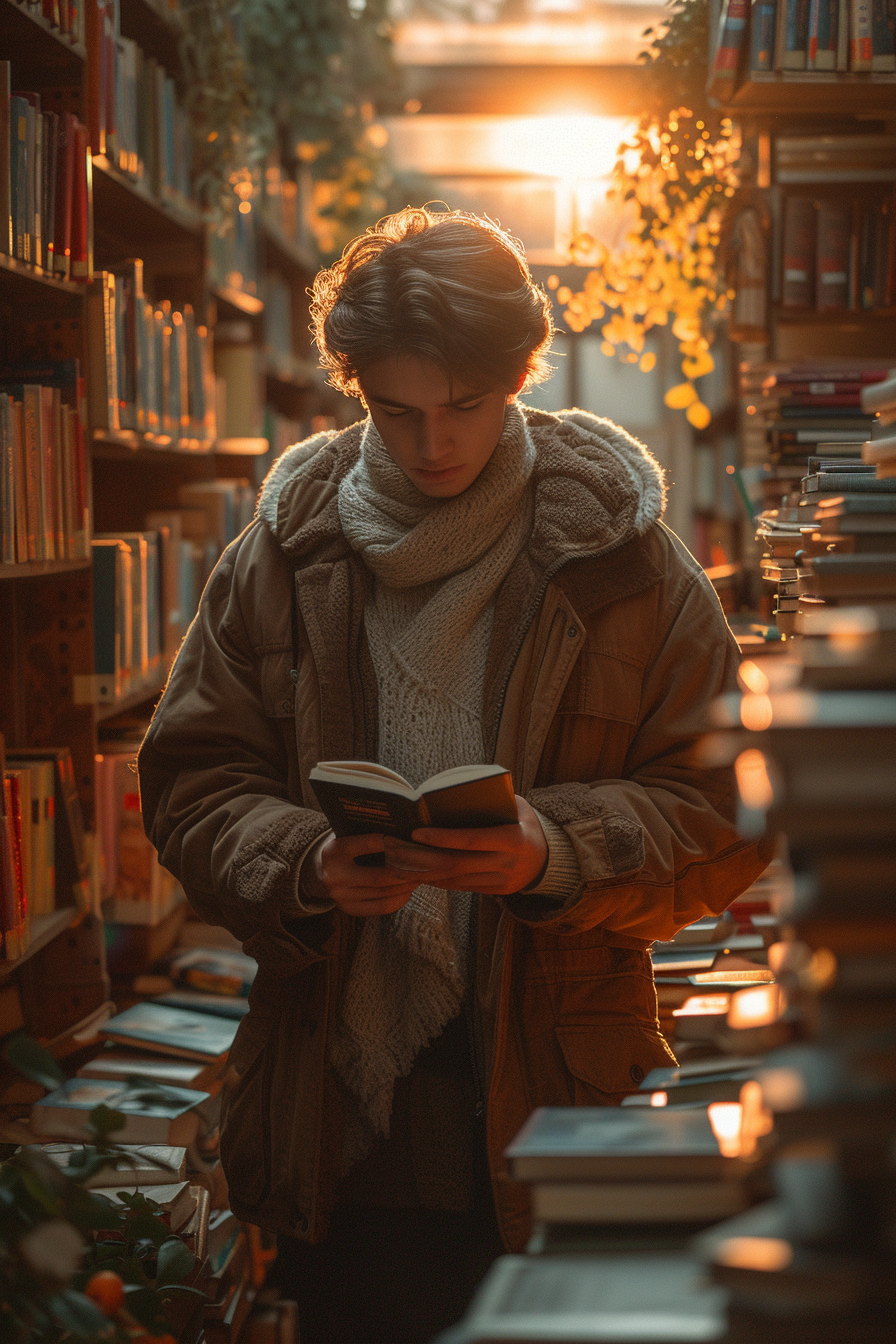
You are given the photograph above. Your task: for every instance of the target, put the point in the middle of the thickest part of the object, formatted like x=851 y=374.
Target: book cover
x=361 y=798
x=638 y=1202
x=216 y=970
x=70 y=862
x=860 y=35
x=617 y=1144
x=796 y=34
x=65 y=183
x=6 y=239
x=166 y=1117
x=142 y=1165
x=728 y=57
x=173 y=1031
x=834 y=223
x=822 y=49
x=124 y=1065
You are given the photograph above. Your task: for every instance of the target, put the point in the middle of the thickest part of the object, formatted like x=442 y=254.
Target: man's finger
x=498 y=839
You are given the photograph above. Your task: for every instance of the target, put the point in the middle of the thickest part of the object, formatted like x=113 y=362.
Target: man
x=455 y=579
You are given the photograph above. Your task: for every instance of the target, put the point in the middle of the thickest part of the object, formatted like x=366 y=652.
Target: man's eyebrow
x=402 y=406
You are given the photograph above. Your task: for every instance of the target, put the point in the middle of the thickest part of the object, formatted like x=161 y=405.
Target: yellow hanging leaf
x=648 y=362
x=680 y=396
x=698 y=414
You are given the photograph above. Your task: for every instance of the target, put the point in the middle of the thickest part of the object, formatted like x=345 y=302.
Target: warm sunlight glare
x=566 y=145
x=764 y=1253
x=753 y=782
x=659 y=1099
x=752 y=678
x=759 y=1006
x=726 y=1118
x=703 y=1005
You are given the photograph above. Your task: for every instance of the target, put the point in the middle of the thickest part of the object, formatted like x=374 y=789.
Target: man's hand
x=356 y=890
x=494 y=860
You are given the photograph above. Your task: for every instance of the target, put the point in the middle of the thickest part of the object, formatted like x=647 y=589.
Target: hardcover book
x=167 y=1118
x=362 y=798
x=172 y=1031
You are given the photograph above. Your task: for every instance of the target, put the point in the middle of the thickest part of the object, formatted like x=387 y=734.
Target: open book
x=362 y=798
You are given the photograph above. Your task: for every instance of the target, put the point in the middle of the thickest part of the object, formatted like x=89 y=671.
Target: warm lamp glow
x=751 y=772
x=659 y=1099
x=765 y=1253
x=753 y=678
x=704 y=1005
x=756 y=712
x=726 y=1118
x=782 y=1089
x=759 y=1006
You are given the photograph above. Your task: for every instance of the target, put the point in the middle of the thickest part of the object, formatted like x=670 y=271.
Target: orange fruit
x=106 y=1289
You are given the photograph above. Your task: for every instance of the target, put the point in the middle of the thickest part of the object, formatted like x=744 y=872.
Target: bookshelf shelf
x=37 y=43
x=22 y=277
x=838 y=316
x=43 y=929
x=141 y=215
x=155 y=26
x=34 y=568
x=244 y=447
x=249 y=305
x=141 y=696
x=128 y=443
x=812 y=90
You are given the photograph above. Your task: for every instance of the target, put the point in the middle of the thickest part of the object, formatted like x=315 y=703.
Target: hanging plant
x=675 y=176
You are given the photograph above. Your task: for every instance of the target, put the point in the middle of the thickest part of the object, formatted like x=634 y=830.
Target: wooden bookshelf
x=810 y=91
x=38 y=44
x=22 y=279
x=239 y=300
x=43 y=929
x=144 y=694
x=29 y=569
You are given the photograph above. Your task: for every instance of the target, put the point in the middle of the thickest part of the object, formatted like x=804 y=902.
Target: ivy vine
x=676 y=176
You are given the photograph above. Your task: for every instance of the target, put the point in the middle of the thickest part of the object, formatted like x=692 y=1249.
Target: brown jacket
x=607 y=641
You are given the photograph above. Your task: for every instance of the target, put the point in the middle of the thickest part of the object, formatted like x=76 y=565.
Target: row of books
x=838 y=254
x=765 y=36
x=136 y=119
x=45 y=183
x=150 y=365
x=43 y=855
x=233 y=243
x=286 y=198
x=65 y=15
x=147 y=584
x=44 y=496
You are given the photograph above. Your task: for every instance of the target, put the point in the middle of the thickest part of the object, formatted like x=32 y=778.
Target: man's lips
x=442 y=474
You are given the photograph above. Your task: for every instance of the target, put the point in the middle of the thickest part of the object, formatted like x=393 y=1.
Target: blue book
x=18 y=177
x=762 y=35
x=157 y=1115
x=173 y=1031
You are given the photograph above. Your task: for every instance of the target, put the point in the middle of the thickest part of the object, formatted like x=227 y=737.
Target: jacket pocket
x=607 y=1063
x=606 y=685
x=245 y=1119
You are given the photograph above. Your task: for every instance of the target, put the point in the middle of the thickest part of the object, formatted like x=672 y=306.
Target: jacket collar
x=596 y=488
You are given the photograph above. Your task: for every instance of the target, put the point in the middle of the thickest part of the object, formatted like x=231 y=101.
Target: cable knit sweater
x=437 y=566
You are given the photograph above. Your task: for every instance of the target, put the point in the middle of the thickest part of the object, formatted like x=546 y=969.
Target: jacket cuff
x=307 y=902
x=561 y=878
x=269 y=868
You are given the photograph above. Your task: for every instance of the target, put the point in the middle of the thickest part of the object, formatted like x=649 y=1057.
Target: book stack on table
x=815 y=1261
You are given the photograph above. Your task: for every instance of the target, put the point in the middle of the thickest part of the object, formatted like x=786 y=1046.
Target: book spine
x=13 y=887
x=797 y=288
x=6 y=242
x=18 y=179
x=823 y=35
x=883 y=36
x=80 y=266
x=51 y=154
x=860 y=35
x=49 y=480
x=832 y=255
x=842 y=58
x=796 y=34
x=762 y=35
x=65 y=176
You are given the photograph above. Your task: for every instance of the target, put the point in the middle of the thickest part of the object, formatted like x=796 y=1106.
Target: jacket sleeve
x=658 y=848
x=214 y=773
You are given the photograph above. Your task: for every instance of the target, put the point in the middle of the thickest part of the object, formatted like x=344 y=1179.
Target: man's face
x=440 y=436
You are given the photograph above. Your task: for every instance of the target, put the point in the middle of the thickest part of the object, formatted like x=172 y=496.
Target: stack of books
x=44 y=497
x=44 y=183
x=819 y=762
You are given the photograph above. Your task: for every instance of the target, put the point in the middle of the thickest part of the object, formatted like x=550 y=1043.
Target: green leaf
x=31 y=1059
x=175 y=1261
x=146 y=1308
x=105 y=1121
x=77 y=1314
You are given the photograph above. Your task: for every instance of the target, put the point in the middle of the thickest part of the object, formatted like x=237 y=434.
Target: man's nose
x=433 y=438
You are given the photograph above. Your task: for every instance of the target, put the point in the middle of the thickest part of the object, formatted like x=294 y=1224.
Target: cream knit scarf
x=437 y=567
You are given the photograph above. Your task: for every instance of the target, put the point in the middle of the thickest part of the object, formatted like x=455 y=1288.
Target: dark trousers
x=386 y=1276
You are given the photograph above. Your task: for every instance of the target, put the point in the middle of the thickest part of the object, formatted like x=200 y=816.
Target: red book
x=94 y=40
x=732 y=43
x=80 y=251
x=15 y=901
x=65 y=179
x=798 y=281
x=832 y=255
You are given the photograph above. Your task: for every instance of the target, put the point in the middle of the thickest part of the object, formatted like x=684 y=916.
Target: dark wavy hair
x=451 y=288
